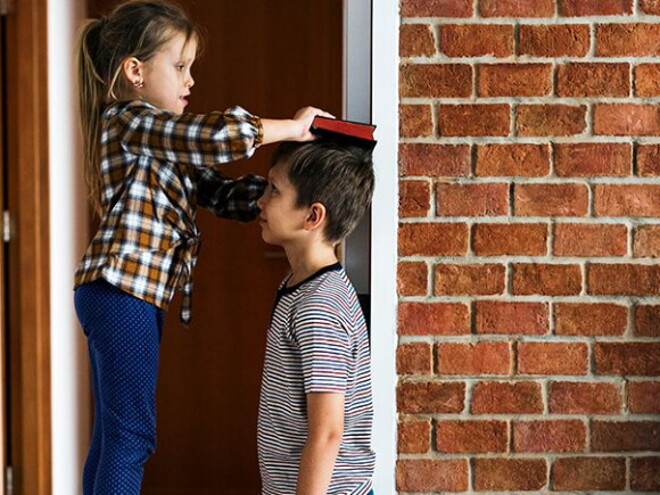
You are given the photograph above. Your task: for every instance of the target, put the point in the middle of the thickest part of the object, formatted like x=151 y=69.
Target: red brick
x=558 y=40
x=430 y=397
x=509 y=474
x=647 y=80
x=581 y=239
x=415 y=121
x=532 y=160
x=474 y=120
x=627 y=358
x=414 y=358
x=593 y=159
x=499 y=239
x=550 y=120
x=623 y=279
x=633 y=40
x=437 y=8
x=644 y=397
x=412 y=278
x=627 y=119
x=471 y=436
x=514 y=79
x=442 y=160
x=414 y=436
x=627 y=200
x=645 y=474
x=590 y=319
x=516 y=8
x=477 y=358
x=651 y=7
x=546 y=279
x=549 y=436
x=648 y=160
x=647 y=321
x=593 y=79
x=414 y=198
x=472 y=200
x=589 y=473
x=433 y=239
x=416 y=318
x=422 y=475
x=551 y=200
x=529 y=318
x=459 y=279
x=584 y=398
x=416 y=40
x=435 y=80
x=646 y=241
x=578 y=8
x=552 y=358
x=476 y=40
x=619 y=436
x=507 y=398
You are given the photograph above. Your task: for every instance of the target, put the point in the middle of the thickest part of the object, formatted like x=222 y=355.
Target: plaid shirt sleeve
x=200 y=140
x=235 y=199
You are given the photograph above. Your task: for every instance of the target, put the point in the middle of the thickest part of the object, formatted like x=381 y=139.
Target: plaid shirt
x=156 y=168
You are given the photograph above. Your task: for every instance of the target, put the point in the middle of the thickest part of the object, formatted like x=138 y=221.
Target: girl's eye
x=180 y=67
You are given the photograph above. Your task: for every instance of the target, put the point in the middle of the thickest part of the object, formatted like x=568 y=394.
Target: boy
x=315 y=411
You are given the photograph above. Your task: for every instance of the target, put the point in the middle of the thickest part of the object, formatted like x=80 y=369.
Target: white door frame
x=384 y=221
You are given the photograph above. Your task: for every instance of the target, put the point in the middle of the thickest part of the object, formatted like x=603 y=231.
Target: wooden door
x=272 y=57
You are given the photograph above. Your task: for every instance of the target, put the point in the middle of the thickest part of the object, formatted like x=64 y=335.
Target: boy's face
x=282 y=222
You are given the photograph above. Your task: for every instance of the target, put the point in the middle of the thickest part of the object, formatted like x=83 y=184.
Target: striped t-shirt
x=317 y=342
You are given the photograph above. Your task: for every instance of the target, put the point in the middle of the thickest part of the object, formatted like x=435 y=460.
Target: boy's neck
x=307 y=259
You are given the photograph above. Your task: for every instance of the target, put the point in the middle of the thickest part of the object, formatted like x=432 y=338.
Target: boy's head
x=322 y=179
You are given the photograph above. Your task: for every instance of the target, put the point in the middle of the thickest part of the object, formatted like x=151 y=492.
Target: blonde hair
x=138 y=28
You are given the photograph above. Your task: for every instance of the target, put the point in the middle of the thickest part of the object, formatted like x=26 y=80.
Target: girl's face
x=166 y=75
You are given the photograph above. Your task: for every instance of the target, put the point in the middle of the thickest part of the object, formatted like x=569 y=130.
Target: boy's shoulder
x=331 y=293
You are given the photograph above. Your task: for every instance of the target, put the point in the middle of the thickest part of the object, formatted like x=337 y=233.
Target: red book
x=345 y=130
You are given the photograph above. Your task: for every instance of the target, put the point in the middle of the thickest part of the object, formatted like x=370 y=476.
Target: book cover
x=345 y=130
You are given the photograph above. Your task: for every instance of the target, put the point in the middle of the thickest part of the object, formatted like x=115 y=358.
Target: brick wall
x=529 y=315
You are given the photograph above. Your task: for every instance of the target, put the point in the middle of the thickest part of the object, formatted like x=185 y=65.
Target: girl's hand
x=296 y=129
x=303 y=119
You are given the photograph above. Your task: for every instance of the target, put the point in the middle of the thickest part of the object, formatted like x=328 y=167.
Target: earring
x=139 y=84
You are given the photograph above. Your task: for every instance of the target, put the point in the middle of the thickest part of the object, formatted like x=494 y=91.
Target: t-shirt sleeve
x=324 y=347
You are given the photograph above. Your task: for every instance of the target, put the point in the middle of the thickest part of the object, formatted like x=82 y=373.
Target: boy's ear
x=132 y=68
x=315 y=217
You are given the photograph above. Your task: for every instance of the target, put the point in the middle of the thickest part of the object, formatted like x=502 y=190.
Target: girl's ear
x=132 y=68
x=316 y=216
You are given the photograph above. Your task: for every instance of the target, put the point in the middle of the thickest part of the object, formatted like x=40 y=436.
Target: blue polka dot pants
x=123 y=336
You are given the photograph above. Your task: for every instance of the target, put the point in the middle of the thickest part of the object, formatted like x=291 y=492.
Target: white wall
x=384 y=105
x=70 y=394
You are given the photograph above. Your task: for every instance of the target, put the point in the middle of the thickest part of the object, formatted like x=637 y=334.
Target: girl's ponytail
x=91 y=87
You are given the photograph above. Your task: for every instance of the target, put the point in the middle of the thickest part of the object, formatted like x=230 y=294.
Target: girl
x=148 y=165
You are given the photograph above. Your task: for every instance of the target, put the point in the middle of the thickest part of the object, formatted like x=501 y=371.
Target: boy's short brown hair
x=340 y=176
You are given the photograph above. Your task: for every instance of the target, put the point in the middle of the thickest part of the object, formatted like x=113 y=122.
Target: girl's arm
x=325 y=417
x=235 y=199
x=205 y=140
x=296 y=129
